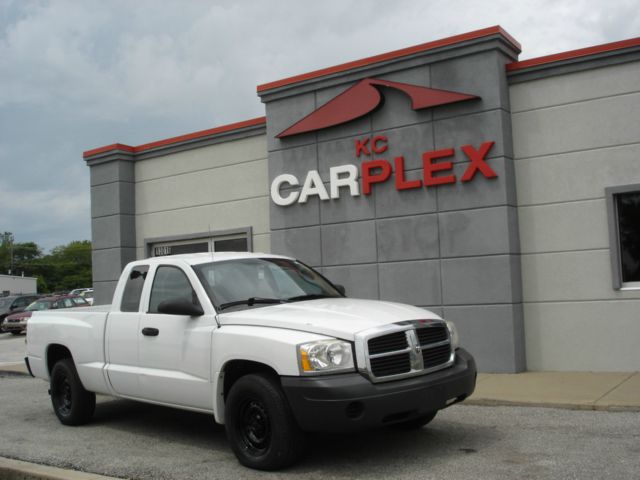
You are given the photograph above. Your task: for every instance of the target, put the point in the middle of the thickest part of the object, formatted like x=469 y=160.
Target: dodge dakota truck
x=264 y=343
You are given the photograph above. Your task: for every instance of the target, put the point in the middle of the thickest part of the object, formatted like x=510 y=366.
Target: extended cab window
x=133 y=289
x=170 y=283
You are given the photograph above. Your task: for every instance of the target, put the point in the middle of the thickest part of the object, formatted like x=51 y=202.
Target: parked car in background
x=16 y=323
x=14 y=304
x=88 y=295
x=79 y=291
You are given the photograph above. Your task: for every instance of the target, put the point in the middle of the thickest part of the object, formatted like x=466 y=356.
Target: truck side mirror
x=180 y=306
x=341 y=289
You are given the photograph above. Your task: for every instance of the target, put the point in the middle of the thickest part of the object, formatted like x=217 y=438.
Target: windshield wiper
x=251 y=302
x=310 y=296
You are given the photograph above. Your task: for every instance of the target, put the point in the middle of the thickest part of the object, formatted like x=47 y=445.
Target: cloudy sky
x=78 y=74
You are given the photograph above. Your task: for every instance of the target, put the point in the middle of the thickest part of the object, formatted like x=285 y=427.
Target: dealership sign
x=355 y=102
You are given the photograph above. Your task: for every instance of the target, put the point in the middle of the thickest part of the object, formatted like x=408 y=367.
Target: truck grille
x=388 y=343
x=435 y=356
x=412 y=351
x=391 y=365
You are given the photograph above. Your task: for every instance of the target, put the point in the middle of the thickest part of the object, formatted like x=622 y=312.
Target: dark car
x=16 y=323
x=14 y=304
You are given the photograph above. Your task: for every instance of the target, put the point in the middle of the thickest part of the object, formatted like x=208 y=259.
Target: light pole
x=8 y=238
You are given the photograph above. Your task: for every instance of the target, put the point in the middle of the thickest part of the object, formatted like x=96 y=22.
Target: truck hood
x=334 y=317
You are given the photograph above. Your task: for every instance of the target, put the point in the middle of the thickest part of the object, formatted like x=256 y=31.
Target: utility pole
x=7 y=238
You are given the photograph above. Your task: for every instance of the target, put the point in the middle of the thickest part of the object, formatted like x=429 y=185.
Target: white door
x=175 y=350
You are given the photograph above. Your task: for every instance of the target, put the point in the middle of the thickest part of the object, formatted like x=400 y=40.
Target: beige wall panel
x=217 y=185
x=575 y=87
x=579 y=126
x=584 y=336
x=222 y=154
x=223 y=216
x=576 y=176
x=563 y=227
x=570 y=276
x=262 y=243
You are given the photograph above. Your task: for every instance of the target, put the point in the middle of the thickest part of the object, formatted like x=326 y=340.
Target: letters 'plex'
x=363 y=98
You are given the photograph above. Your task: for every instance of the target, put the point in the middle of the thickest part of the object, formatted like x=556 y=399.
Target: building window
x=221 y=241
x=623 y=204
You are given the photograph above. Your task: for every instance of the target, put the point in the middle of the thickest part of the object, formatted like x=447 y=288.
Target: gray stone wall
x=113 y=231
x=576 y=133
x=451 y=248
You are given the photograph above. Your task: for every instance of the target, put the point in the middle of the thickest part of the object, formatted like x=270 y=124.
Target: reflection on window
x=170 y=283
x=272 y=278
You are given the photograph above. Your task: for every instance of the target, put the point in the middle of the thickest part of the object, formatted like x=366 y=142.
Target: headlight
x=325 y=356
x=453 y=333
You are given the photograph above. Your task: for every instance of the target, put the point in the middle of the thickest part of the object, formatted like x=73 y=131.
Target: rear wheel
x=259 y=423
x=72 y=404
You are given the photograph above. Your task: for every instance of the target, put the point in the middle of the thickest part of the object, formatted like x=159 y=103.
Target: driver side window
x=170 y=283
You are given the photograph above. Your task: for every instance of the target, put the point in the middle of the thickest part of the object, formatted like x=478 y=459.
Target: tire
x=416 y=423
x=72 y=404
x=260 y=426
x=16 y=333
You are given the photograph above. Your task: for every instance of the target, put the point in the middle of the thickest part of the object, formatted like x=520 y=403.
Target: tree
x=66 y=267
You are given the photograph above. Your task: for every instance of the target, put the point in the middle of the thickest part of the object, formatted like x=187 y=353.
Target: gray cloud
x=81 y=74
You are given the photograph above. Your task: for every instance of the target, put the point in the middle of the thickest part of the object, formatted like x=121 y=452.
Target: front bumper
x=349 y=402
x=17 y=327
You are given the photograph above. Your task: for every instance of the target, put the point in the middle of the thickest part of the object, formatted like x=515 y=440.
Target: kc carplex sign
x=437 y=169
x=359 y=100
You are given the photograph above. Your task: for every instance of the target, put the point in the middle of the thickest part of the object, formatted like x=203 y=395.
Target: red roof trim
x=108 y=148
x=179 y=139
x=581 y=52
x=391 y=55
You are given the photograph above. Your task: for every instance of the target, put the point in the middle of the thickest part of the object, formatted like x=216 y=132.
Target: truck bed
x=81 y=331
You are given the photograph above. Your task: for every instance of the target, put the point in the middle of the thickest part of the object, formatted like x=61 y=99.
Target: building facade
x=14 y=285
x=499 y=194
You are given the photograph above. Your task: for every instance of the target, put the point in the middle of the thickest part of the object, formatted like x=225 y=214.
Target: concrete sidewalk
x=575 y=390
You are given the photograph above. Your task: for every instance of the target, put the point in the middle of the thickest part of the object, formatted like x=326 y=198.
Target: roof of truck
x=207 y=257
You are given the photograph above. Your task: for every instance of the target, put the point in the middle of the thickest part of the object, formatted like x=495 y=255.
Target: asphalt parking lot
x=12 y=348
x=138 y=441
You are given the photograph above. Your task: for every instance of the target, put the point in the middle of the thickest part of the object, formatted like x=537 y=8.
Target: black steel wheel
x=260 y=427
x=254 y=427
x=72 y=404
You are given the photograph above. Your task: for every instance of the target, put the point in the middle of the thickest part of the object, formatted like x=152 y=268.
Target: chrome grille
x=391 y=365
x=432 y=357
x=405 y=349
x=388 y=343
x=430 y=335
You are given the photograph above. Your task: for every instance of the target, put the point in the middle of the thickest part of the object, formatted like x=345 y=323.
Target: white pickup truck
x=266 y=344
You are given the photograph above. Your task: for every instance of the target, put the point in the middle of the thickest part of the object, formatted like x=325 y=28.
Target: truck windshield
x=262 y=281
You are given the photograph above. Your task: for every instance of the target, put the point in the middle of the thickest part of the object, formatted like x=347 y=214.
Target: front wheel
x=72 y=404
x=260 y=426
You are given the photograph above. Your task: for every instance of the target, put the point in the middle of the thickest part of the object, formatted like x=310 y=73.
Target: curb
x=491 y=402
x=18 y=470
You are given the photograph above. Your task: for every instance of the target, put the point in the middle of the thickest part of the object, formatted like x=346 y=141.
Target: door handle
x=150 y=332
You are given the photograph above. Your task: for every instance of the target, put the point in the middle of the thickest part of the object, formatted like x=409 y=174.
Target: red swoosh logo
x=363 y=98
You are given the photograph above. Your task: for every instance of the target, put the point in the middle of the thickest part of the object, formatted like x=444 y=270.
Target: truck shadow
x=370 y=453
